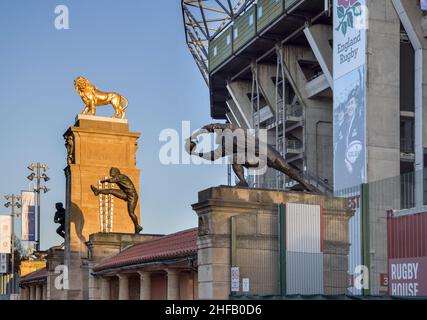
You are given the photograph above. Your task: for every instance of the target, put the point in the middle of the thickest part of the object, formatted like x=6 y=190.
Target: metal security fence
x=300 y=247
x=369 y=240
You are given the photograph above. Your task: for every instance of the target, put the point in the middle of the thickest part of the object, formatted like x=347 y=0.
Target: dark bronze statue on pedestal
x=127 y=192
x=252 y=158
x=60 y=218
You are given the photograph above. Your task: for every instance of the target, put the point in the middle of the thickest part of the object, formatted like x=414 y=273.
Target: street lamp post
x=38 y=173
x=13 y=201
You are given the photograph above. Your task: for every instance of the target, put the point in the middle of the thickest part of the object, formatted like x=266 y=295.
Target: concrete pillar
x=238 y=118
x=265 y=75
x=239 y=92
x=145 y=285
x=173 y=284
x=318 y=37
x=123 y=286
x=105 y=289
x=39 y=289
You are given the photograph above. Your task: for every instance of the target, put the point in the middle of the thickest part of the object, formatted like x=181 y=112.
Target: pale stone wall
x=215 y=208
x=55 y=258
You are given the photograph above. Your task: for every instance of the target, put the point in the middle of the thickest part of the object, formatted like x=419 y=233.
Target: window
x=259 y=11
x=407 y=135
x=251 y=19
x=215 y=51
x=236 y=32
x=228 y=39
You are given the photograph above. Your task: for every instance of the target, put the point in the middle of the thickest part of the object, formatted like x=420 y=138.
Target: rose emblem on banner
x=347 y=10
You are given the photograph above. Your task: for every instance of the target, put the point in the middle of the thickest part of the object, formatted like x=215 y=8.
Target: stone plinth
x=55 y=258
x=94 y=145
x=257 y=211
x=103 y=245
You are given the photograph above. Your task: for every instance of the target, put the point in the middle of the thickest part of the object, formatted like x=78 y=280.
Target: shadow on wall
x=78 y=220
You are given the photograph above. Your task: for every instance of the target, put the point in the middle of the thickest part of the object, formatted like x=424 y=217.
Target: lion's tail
x=126 y=103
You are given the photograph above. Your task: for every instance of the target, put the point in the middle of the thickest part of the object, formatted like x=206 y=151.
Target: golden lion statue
x=92 y=97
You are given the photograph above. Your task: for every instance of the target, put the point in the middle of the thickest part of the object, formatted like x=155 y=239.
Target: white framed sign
x=245 y=285
x=235 y=279
x=5 y=234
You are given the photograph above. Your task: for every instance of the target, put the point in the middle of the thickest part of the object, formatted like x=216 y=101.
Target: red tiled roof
x=38 y=275
x=176 y=245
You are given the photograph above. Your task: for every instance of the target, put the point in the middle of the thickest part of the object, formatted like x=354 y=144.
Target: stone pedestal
x=94 y=144
x=55 y=258
x=258 y=248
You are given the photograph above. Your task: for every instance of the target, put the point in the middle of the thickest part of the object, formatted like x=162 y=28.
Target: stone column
x=39 y=289
x=186 y=286
x=123 y=286
x=145 y=285
x=32 y=291
x=173 y=284
x=25 y=293
x=105 y=289
x=44 y=292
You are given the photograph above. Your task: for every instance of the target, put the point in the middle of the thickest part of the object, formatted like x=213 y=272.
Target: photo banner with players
x=5 y=234
x=28 y=216
x=350 y=25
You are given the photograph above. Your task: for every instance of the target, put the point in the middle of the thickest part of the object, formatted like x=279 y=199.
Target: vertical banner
x=3 y=263
x=5 y=234
x=28 y=216
x=349 y=93
x=350 y=22
x=349 y=130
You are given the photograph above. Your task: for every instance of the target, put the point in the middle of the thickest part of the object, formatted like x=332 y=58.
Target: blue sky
x=135 y=47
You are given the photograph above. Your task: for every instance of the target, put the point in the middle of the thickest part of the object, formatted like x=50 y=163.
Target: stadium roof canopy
x=203 y=20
